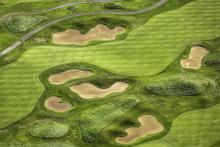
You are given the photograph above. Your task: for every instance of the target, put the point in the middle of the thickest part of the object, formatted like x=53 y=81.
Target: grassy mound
x=22 y=23
x=176 y=87
x=48 y=130
x=93 y=121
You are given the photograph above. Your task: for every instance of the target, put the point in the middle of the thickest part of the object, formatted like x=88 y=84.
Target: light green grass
x=199 y=128
x=146 y=51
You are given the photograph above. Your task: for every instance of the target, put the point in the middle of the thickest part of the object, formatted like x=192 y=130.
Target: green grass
x=147 y=50
x=152 y=49
x=198 y=128
x=22 y=23
x=48 y=130
x=91 y=123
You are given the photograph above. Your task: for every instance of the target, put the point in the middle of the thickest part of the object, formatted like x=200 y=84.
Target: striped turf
x=146 y=51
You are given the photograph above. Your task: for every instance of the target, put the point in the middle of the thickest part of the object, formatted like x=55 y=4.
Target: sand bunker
x=54 y=103
x=68 y=75
x=73 y=36
x=149 y=125
x=195 y=58
x=90 y=91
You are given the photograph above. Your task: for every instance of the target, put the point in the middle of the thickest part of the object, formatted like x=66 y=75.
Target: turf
x=153 y=48
x=147 y=50
x=199 y=128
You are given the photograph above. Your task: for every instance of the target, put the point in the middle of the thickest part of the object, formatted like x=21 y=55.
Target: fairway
x=95 y=80
x=188 y=126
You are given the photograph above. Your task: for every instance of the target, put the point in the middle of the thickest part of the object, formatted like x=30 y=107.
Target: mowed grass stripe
x=146 y=51
x=199 y=128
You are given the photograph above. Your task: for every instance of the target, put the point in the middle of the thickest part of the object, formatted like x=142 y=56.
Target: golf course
x=109 y=73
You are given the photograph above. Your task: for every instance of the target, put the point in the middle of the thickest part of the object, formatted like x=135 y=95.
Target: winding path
x=4 y=17
x=46 y=25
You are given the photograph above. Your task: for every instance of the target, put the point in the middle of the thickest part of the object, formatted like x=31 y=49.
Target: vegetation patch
x=92 y=122
x=176 y=87
x=48 y=130
x=22 y=23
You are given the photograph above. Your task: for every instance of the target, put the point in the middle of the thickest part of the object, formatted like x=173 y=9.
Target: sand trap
x=149 y=125
x=68 y=75
x=73 y=36
x=195 y=58
x=90 y=91
x=54 y=103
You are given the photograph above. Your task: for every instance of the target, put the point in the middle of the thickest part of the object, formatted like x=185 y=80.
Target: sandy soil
x=195 y=58
x=149 y=125
x=54 y=103
x=73 y=36
x=68 y=75
x=90 y=91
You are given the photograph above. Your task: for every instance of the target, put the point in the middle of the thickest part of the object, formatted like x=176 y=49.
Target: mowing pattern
x=146 y=51
x=199 y=128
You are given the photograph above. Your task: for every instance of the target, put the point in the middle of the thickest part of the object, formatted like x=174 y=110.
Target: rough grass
x=22 y=23
x=181 y=87
x=48 y=130
x=199 y=128
x=147 y=50
x=92 y=122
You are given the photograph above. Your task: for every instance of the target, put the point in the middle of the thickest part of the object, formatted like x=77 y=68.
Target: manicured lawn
x=146 y=51
x=198 y=128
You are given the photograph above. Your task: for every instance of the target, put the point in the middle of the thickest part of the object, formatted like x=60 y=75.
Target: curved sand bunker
x=73 y=36
x=149 y=125
x=90 y=91
x=195 y=58
x=68 y=75
x=54 y=103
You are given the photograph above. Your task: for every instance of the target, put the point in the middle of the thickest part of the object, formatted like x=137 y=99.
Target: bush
x=212 y=60
x=112 y=6
x=48 y=130
x=175 y=88
x=22 y=23
x=93 y=121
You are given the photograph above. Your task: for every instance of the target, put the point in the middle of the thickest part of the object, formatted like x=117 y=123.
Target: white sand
x=73 y=36
x=195 y=58
x=63 y=77
x=54 y=103
x=149 y=125
x=90 y=91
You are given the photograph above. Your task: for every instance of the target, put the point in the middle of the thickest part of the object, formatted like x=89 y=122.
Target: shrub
x=48 y=130
x=212 y=60
x=112 y=6
x=93 y=121
x=175 y=88
x=22 y=23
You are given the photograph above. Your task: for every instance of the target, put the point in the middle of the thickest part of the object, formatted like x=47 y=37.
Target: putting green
x=146 y=51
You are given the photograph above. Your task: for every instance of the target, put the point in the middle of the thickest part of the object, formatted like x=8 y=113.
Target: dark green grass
x=22 y=23
x=165 y=108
